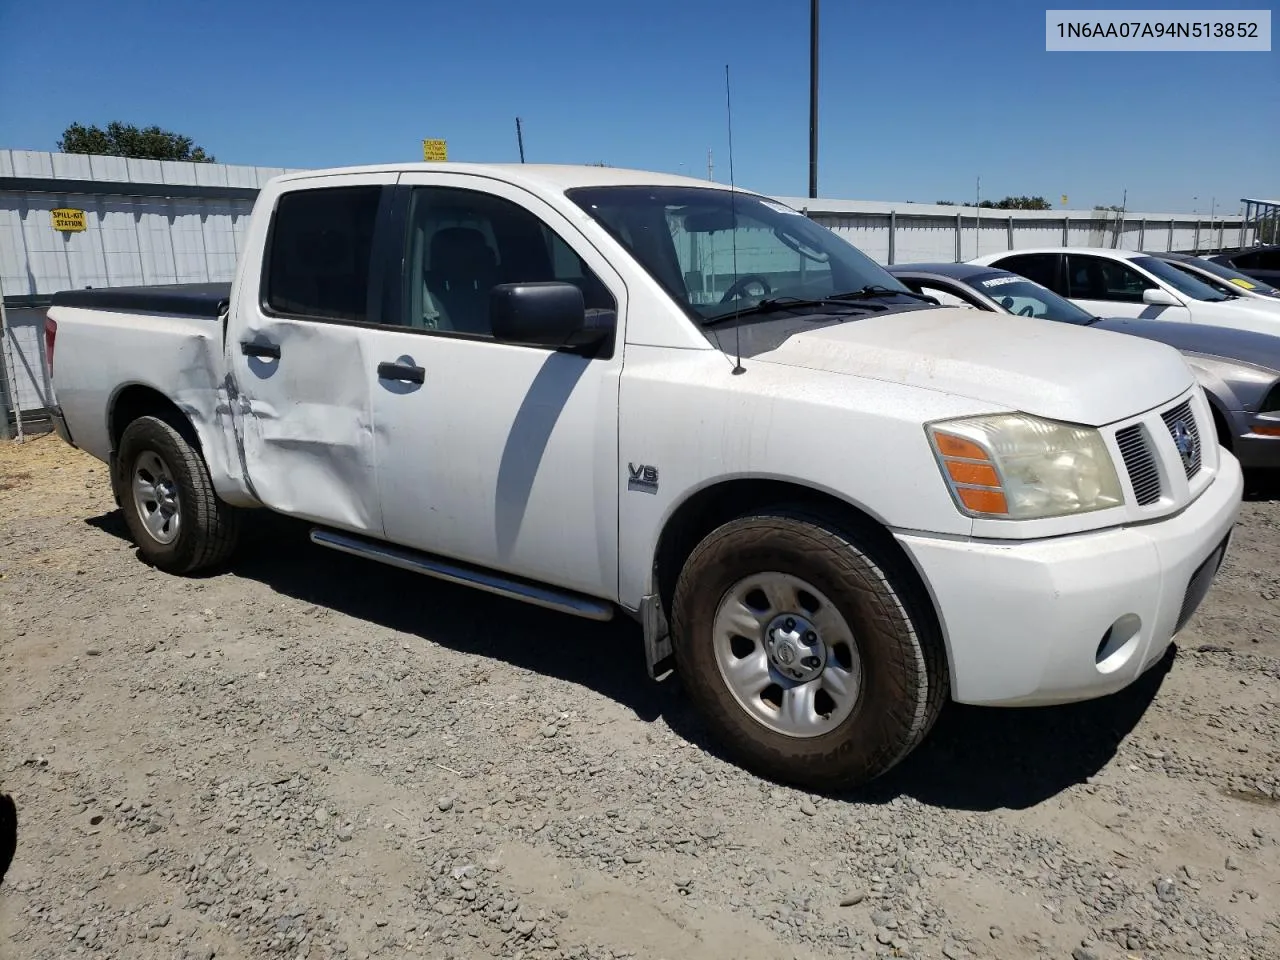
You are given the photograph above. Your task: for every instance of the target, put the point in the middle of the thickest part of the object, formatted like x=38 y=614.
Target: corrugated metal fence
x=150 y=221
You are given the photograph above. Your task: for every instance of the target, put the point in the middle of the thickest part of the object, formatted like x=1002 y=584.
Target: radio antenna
x=733 y=228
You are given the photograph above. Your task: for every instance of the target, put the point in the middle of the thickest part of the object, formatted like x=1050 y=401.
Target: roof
x=1170 y=255
x=1096 y=251
x=956 y=271
x=548 y=176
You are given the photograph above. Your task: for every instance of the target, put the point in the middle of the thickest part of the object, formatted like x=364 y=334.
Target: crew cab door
x=499 y=455
x=299 y=350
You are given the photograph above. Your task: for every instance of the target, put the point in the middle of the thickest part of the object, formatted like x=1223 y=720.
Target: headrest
x=464 y=247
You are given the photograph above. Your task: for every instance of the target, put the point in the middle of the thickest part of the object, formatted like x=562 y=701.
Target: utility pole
x=520 y=139
x=813 y=99
x=710 y=168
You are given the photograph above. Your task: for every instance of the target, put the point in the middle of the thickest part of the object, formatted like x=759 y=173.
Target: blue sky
x=917 y=99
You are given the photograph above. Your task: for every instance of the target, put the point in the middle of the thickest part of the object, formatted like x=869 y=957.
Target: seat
x=462 y=269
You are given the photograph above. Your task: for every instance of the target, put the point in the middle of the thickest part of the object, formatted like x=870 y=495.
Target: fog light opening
x=1118 y=643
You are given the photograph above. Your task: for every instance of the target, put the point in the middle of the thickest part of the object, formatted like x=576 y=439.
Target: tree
x=126 y=140
x=1008 y=203
x=1018 y=203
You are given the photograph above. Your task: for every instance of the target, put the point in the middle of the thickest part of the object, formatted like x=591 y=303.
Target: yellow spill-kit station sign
x=68 y=221
x=434 y=150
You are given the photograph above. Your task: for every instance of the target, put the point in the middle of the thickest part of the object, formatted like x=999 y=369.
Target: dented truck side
x=830 y=505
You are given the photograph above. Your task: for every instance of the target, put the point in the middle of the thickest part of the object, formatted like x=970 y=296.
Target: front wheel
x=169 y=504
x=806 y=649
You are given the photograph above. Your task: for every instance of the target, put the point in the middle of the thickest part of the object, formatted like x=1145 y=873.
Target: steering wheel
x=1026 y=311
x=740 y=285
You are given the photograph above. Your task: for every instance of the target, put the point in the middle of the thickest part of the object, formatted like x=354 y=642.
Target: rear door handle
x=401 y=371
x=271 y=350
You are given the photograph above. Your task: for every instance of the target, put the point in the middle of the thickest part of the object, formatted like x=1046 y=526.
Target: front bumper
x=1254 y=450
x=1257 y=452
x=1073 y=617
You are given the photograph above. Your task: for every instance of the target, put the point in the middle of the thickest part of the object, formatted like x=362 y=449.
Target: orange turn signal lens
x=950 y=445
x=982 y=474
x=983 y=501
x=971 y=474
x=1267 y=431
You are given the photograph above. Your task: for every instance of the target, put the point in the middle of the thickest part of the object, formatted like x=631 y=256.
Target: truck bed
x=206 y=300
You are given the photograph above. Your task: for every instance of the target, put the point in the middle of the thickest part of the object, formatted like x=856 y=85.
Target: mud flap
x=658 y=657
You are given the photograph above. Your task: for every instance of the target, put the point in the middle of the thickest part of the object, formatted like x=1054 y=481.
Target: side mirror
x=546 y=314
x=1159 y=297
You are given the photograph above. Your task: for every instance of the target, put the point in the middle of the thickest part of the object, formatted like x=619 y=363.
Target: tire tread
x=896 y=608
x=216 y=524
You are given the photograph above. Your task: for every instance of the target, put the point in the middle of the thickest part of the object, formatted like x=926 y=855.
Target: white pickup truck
x=831 y=503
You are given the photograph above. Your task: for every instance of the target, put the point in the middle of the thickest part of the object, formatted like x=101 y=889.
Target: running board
x=406 y=559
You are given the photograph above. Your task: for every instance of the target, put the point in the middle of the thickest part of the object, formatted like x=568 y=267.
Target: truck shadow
x=974 y=759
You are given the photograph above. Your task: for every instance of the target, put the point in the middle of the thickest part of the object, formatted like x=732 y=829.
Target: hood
x=1077 y=374
x=1228 y=343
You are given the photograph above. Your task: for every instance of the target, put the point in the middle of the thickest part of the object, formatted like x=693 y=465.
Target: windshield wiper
x=873 y=290
x=778 y=304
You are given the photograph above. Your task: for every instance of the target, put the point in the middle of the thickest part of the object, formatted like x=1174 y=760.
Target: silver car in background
x=1222 y=278
x=1239 y=369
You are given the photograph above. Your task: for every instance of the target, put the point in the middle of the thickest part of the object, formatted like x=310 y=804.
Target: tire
x=206 y=529
x=897 y=657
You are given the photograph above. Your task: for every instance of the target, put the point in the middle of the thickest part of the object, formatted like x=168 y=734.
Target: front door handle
x=249 y=349
x=404 y=372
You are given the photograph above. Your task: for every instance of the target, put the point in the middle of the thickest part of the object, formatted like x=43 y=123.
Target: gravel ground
x=313 y=756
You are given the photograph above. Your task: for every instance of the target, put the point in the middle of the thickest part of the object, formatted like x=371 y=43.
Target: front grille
x=1181 y=414
x=1140 y=463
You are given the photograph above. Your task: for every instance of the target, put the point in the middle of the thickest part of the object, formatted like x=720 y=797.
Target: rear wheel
x=807 y=649
x=168 y=500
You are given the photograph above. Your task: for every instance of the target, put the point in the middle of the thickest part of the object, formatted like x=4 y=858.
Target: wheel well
x=1220 y=424
x=722 y=502
x=139 y=401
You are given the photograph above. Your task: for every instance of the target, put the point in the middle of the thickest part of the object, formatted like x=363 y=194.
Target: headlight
x=1016 y=466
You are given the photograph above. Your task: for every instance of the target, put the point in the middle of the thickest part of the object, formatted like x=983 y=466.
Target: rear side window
x=1039 y=267
x=320 y=248
x=1259 y=260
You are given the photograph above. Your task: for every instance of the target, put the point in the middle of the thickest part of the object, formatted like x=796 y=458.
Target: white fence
x=152 y=222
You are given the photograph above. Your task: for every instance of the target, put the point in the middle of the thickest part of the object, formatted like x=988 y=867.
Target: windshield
x=1178 y=279
x=1026 y=298
x=688 y=238
x=1233 y=277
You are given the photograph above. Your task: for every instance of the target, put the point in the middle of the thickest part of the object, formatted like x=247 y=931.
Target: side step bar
x=491 y=582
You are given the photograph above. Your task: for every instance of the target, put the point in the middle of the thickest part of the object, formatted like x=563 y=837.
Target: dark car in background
x=1239 y=369
x=1261 y=263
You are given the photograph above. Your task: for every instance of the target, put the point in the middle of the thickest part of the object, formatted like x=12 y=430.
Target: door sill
x=576 y=604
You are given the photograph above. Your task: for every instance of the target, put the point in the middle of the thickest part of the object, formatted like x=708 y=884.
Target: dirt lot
x=312 y=756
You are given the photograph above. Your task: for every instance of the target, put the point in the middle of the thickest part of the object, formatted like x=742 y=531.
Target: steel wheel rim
x=155 y=497
x=787 y=654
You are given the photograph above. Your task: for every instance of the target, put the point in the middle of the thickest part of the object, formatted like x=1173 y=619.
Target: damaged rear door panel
x=299 y=353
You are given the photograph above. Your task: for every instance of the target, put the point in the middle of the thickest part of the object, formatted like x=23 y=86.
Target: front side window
x=320 y=246
x=463 y=243
x=716 y=251
x=1100 y=278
